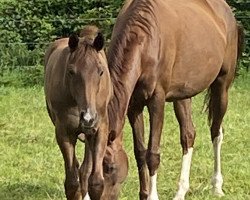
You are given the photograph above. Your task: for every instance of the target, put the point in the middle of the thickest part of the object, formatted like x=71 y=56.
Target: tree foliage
x=28 y=26
x=241 y=9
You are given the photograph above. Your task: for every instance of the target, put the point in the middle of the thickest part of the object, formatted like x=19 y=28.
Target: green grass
x=31 y=165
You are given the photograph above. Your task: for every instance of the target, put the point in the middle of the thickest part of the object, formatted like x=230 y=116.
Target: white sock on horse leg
x=217 y=179
x=87 y=197
x=184 y=178
x=153 y=195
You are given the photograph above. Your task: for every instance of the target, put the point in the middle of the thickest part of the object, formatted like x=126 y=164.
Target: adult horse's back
x=168 y=50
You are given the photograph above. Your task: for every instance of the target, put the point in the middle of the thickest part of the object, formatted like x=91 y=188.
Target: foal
x=77 y=90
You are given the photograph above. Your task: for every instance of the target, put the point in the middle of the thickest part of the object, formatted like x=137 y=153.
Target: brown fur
x=77 y=82
x=167 y=50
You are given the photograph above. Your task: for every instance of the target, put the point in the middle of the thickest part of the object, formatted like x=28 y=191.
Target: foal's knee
x=96 y=186
x=72 y=190
x=153 y=161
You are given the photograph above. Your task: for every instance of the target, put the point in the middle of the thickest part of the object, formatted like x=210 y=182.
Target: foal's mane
x=139 y=15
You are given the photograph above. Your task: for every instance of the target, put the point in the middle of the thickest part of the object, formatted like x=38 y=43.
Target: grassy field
x=31 y=165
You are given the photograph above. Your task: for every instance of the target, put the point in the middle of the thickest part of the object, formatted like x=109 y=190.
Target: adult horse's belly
x=189 y=79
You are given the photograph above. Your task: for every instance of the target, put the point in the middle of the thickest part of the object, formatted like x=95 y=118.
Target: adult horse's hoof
x=218 y=192
x=153 y=197
x=178 y=198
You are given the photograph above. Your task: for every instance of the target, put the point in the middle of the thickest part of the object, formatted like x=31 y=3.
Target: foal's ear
x=73 y=41
x=98 y=42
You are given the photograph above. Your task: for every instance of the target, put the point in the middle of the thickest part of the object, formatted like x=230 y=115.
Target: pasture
x=31 y=165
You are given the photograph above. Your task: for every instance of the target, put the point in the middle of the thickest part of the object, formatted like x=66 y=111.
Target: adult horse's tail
x=240 y=47
x=241 y=41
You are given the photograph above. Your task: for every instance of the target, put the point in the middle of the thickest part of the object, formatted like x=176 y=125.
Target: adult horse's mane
x=119 y=44
x=140 y=17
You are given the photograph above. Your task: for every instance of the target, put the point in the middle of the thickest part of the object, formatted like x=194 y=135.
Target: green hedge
x=28 y=26
x=241 y=9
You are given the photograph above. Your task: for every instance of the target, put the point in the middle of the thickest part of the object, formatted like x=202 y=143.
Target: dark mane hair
x=121 y=41
x=119 y=45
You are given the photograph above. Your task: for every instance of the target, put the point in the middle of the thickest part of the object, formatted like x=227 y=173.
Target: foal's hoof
x=218 y=192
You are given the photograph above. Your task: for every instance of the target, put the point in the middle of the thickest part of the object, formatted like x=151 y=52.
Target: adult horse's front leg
x=182 y=110
x=156 y=113
x=135 y=115
x=67 y=142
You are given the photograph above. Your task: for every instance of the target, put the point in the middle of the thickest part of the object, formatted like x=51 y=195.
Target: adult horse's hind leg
x=218 y=105
x=183 y=113
x=135 y=116
x=67 y=143
x=217 y=108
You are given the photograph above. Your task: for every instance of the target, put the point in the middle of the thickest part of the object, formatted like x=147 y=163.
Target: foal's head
x=85 y=73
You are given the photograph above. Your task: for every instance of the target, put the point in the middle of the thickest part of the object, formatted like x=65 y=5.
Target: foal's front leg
x=85 y=171
x=156 y=113
x=182 y=110
x=67 y=142
x=98 y=148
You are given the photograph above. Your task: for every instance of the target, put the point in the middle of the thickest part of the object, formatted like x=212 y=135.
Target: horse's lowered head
x=85 y=76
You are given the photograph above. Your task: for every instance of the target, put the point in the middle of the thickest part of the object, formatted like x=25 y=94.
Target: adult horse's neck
x=124 y=69
x=134 y=24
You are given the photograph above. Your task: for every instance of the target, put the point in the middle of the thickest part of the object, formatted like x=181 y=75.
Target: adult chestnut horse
x=78 y=89
x=171 y=50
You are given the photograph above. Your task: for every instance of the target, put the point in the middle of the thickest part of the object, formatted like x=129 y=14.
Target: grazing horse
x=169 y=51
x=78 y=89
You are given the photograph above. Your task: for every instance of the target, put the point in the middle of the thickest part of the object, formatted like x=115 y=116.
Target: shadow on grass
x=25 y=191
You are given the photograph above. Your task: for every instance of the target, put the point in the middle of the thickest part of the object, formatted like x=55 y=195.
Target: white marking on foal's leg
x=184 y=178
x=87 y=197
x=153 y=188
x=217 y=179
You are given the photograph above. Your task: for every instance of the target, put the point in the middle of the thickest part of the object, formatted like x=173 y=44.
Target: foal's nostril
x=87 y=118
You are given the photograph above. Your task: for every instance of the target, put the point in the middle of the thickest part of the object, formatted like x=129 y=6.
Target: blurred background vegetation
x=28 y=26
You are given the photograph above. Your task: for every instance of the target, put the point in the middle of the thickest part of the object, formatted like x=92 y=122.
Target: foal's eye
x=101 y=72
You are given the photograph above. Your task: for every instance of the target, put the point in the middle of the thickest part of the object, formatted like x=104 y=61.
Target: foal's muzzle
x=88 y=121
